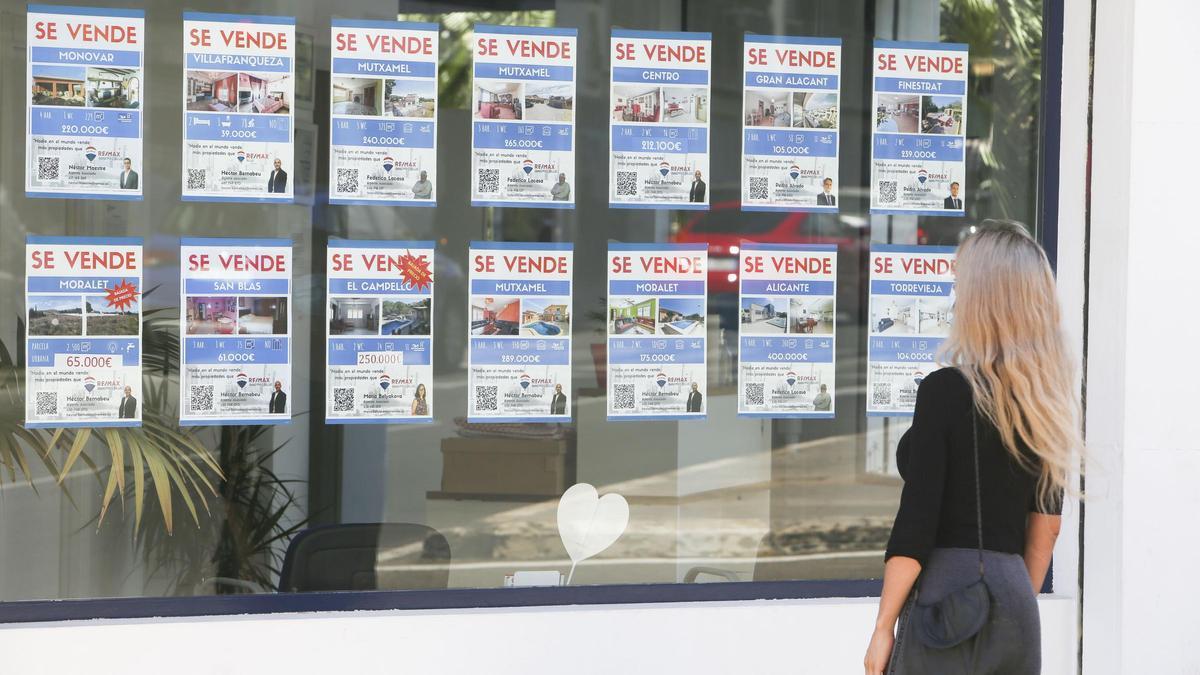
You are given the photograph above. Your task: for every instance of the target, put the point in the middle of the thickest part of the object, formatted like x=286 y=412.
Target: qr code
x=47 y=403
x=197 y=179
x=201 y=399
x=343 y=399
x=887 y=192
x=882 y=394
x=347 y=181
x=48 y=168
x=489 y=180
x=626 y=183
x=754 y=393
x=623 y=397
x=758 y=188
x=485 y=399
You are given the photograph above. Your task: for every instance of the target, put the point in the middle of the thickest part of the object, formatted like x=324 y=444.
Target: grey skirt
x=1010 y=643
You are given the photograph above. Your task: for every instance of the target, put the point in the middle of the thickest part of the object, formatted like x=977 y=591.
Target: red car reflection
x=725 y=226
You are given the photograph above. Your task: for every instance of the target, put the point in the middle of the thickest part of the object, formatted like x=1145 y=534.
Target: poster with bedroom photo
x=238 y=107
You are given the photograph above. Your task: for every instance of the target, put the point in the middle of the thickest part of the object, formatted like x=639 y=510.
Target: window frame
x=31 y=611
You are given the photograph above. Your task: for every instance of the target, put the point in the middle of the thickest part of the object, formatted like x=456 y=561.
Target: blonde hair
x=1007 y=340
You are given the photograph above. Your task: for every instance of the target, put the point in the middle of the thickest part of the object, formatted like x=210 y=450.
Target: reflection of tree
x=1003 y=97
x=454 y=63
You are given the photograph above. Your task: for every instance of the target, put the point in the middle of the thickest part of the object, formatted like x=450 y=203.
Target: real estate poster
x=911 y=310
x=523 y=117
x=790 y=122
x=83 y=337
x=379 y=332
x=238 y=99
x=659 y=120
x=787 y=303
x=918 y=138
x=657 y=331
x=519 y=351
x=83 y=117
x=383 y=104
x=235 y=328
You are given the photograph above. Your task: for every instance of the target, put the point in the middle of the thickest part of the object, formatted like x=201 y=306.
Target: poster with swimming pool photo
x=657 y=325
x=519 y=342
x=83 y=331
x=238 y=107
x=379 y=332
x=83 y=115
x=787 y=309
x=911 y=308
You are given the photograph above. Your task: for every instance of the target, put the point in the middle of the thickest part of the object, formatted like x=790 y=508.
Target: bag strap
x=978 y=489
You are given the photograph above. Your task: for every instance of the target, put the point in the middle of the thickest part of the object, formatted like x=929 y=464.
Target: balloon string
x=572 y=573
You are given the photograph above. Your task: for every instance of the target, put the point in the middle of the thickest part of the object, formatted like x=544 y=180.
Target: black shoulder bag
x=961 y=614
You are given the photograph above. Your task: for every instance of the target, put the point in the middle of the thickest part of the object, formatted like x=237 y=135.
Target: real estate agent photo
x=278 y=403
x=129 y=177
x=695 y=400
x=277 y=182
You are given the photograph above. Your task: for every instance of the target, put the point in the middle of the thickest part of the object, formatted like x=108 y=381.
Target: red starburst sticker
x=415 y=271
x=122 y=296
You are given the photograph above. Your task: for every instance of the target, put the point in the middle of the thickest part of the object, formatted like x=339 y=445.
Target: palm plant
x=1003 y=107
x=239 y=540
x=159 y=454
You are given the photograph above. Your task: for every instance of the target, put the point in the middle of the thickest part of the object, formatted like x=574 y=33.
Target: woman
x=1012 y=384
x=419 y=407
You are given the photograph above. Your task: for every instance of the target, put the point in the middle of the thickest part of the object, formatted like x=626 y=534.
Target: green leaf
x=139 y=482
x=81 y=439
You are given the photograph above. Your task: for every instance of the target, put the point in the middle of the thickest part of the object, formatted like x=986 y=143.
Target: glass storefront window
x=467 y=505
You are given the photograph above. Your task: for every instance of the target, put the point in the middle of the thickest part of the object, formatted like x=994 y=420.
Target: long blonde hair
x=1007 y=340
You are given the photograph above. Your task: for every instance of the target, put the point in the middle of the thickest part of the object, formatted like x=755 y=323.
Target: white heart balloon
x=589 y=523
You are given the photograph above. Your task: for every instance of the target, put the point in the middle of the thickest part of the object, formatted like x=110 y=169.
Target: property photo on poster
x=786 y=330
x=523 y=117
x=791 y=105
x=83 y=116
x=519 y=346
x=235 y=328
x=379 y=332
x=911 y=308
x=659 y=112
x=918 y=134
x=383 y=108
x=83 y=331
x=238 y=107
x=657 y=325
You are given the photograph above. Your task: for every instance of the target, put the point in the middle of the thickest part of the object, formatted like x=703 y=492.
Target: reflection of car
x=725 y=226
x=884 y=324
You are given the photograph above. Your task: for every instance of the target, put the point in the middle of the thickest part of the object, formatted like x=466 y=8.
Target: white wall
x=1141 y=550
x=822 y=637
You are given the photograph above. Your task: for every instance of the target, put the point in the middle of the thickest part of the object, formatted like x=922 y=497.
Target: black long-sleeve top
x=937 y=506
